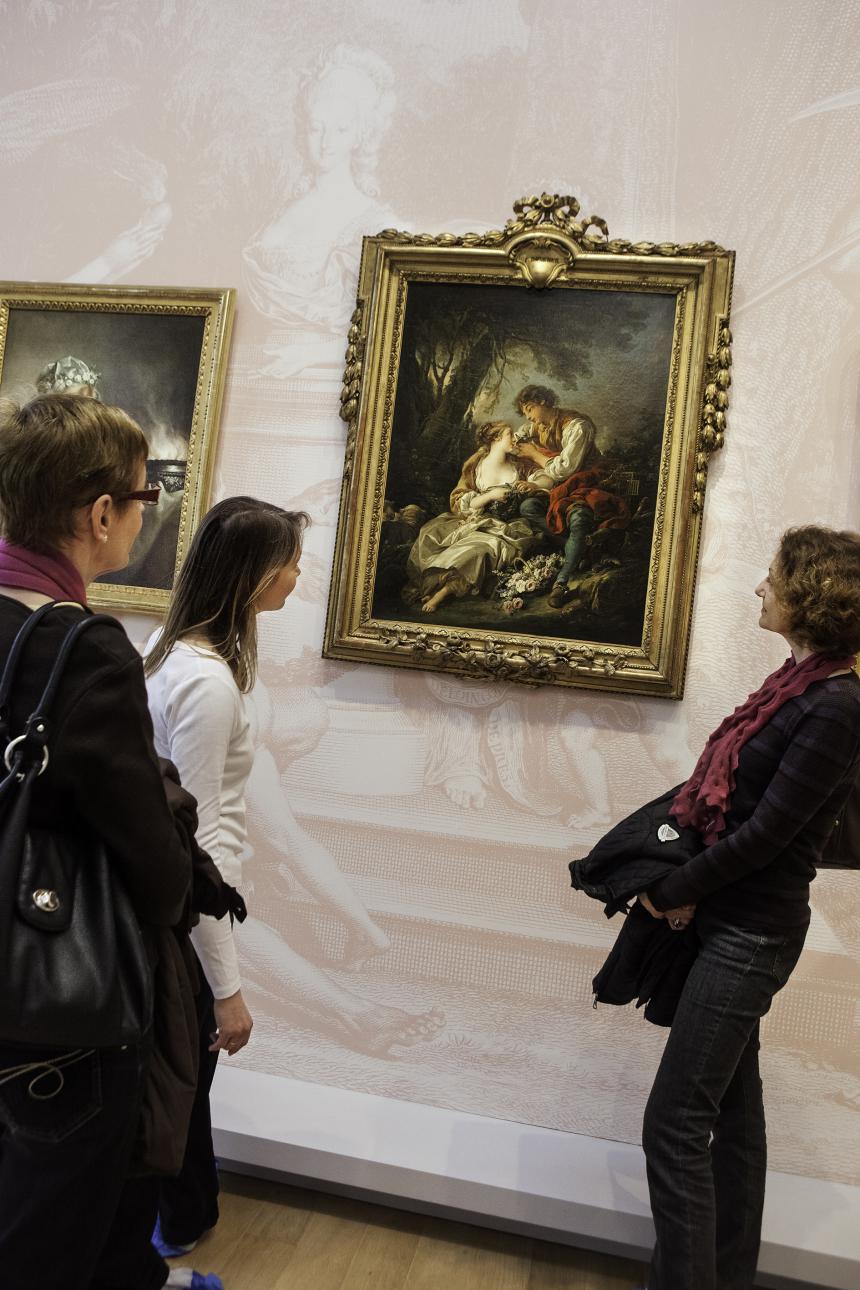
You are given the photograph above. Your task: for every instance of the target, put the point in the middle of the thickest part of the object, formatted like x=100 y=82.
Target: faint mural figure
x=549 y=756
x=59 y=110
x=133 y=245
x=279 y=973
x=544 y=759
x=841 y=261
x=300 y=269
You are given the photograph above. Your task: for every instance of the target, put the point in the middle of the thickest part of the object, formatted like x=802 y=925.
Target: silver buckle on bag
x=46 y=900
x=7 y=756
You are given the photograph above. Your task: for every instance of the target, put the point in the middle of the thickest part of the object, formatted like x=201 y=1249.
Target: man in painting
x=567 y=465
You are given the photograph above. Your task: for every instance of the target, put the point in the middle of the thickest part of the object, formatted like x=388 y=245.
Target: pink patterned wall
x=409 y=832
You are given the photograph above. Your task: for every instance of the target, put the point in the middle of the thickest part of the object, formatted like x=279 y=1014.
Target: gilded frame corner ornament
x=546 y=250
x=141 y=339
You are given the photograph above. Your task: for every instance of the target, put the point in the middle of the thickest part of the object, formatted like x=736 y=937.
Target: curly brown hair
x=816 y=576
x=535 y=394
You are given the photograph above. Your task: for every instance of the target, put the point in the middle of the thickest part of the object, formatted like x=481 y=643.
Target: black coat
x=104 y=776
x=649 y=961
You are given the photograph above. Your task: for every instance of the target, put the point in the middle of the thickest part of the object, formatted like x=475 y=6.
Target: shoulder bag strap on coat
x=34 y=737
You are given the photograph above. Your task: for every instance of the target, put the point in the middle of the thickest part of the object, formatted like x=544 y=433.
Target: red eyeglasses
x=149 y=496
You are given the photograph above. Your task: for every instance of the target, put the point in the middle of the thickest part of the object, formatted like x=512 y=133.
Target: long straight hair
x=238 y=550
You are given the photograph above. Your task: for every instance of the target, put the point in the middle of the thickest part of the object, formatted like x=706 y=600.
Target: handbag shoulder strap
x=33 y=741
x=70 y=640
x=16 y=651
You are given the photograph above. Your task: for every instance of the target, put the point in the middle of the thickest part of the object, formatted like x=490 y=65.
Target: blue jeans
x=704 y=1129
x=580 y=525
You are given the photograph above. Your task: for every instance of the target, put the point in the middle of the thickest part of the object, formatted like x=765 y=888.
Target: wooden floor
x=275 y=1237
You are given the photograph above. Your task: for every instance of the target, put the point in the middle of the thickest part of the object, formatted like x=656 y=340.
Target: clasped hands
x=677 y=919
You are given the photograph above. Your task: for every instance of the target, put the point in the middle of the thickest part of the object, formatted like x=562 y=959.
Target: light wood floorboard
x=276 y=1237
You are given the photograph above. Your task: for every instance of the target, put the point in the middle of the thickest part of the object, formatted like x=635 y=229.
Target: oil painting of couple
x=525 y=455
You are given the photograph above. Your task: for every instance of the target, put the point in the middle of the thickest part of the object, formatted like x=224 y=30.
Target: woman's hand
x=494 y=494
x=677 y=919
x=234 y=1024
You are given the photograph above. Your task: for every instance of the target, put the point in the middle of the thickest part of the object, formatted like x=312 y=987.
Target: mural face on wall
x=297 y=267
x=439 y=814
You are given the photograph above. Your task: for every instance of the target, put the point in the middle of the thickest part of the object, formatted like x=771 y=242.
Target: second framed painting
x=160 y=355
x=531 y=412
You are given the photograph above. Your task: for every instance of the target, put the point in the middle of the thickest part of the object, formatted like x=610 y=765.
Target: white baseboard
x=566 y=1187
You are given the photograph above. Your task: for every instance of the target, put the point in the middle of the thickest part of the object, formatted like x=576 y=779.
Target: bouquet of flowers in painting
x=528 y=577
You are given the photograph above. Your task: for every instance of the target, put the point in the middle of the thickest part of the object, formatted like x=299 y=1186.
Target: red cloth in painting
x=583 y=489
x=705 y=798
x=52 y=575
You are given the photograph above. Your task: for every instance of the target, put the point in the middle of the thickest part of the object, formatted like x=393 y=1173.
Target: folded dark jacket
x=649 y=961
x=171 y=1080
x=639 y=851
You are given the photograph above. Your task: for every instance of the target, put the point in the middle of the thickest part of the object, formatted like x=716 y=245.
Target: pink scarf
x=704 y=800
x=52 y=575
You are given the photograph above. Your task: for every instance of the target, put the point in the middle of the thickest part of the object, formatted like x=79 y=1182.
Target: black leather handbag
x=842 y=849
x=73 y=964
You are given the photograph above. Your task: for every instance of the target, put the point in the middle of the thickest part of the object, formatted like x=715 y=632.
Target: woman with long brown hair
x=244 y=560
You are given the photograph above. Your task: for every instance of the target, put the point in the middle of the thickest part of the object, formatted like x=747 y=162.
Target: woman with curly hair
x=765 y=795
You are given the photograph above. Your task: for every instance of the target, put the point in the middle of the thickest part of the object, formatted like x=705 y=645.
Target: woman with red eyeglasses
x=72 y=495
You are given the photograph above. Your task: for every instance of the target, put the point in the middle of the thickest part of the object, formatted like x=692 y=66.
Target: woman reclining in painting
x=456 y=553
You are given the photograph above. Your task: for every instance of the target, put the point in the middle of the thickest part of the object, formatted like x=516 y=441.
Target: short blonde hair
x=816 y=577
x=58 y=453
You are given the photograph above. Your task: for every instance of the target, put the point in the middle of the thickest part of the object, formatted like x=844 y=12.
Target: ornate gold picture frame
x=160 y=354
x=531 y=412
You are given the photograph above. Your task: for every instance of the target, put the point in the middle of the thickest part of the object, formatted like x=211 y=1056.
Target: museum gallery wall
x=410 y=830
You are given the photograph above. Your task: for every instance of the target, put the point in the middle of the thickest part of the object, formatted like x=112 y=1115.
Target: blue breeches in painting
x=580 y=526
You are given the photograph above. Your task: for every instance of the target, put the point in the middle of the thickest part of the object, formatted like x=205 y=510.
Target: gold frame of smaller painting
x=160 y=353
x=580 y=568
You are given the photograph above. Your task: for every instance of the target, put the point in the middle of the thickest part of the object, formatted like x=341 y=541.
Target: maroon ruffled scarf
x=52 y=575
x=704 y=799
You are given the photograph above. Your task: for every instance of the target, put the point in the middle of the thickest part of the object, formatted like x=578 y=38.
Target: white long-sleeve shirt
x=201 y=724
x=577 y=440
